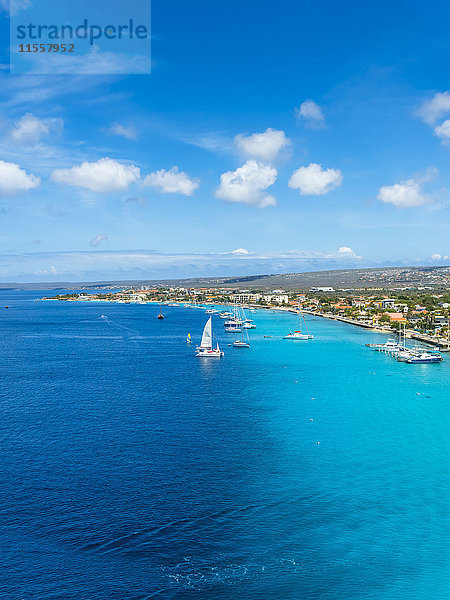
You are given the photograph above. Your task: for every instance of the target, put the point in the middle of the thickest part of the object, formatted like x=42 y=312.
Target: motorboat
x=424 y=358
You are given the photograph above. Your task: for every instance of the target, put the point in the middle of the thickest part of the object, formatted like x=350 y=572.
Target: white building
x=276 y=298
x=246 y=297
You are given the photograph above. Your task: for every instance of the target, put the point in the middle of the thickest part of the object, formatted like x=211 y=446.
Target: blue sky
x=269 y=137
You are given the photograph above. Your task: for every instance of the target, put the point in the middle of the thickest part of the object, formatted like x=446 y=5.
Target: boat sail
x=188 y=339
x=205 y=348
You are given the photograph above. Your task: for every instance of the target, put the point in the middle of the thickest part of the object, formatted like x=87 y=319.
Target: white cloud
x=311 y=113
x=14 y=180
x=407 y=194
x=247 y=184
x=264 y=146
x=96 y=264
x=126 y=132
x=443 y=130
x=97 y=240
x=436 y=257
x=315 y=181
x=433 y=110
x=240 y=251
x=94 y=62
x=30 y=129
x=347 y=251
x=105 y=175
x=172 y=181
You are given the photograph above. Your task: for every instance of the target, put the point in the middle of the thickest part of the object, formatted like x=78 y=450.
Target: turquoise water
x=132 y=470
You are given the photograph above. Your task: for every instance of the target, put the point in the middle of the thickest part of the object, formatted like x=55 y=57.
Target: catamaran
x=299 y=335
x=205 y=348
x=240 y=344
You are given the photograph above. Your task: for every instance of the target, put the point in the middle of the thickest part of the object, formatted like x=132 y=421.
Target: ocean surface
x=132 y=470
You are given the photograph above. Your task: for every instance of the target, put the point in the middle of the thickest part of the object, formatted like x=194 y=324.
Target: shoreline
x=441 y=344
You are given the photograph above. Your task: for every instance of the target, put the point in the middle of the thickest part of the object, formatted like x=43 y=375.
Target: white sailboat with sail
x=206 y=349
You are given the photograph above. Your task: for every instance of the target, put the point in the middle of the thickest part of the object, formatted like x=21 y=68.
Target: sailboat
x=160 y=316
x=188 y=339
x=298 y=335
x=244 y=342
x=205 y=348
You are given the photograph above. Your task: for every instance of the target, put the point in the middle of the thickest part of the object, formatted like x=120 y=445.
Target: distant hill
x=389 y=278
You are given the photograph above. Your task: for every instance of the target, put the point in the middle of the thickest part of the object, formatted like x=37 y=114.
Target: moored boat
x=424 y=358
x=298 y=335
x=240 y=344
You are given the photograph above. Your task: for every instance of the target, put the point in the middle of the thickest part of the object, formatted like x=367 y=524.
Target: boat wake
x=112 y=323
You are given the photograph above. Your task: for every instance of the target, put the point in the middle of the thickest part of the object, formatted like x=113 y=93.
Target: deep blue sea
x=132 y=470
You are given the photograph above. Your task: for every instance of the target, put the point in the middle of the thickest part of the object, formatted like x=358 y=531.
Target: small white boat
x=234 y=329
x=390 y=346
x=205 y=349
x=211 y=311
x=240 y=344
x=298 y=335
x=249 y=325
x=405 y=354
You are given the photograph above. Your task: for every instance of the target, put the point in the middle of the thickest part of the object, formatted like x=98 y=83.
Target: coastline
x=440 y=343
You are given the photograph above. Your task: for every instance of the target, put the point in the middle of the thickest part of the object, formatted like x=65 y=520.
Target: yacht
x=240 y=344
x=299 y=335
x=424 y=358
x=205 y=349
x=243 y=341
x=404 y=354
x=390 y=346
